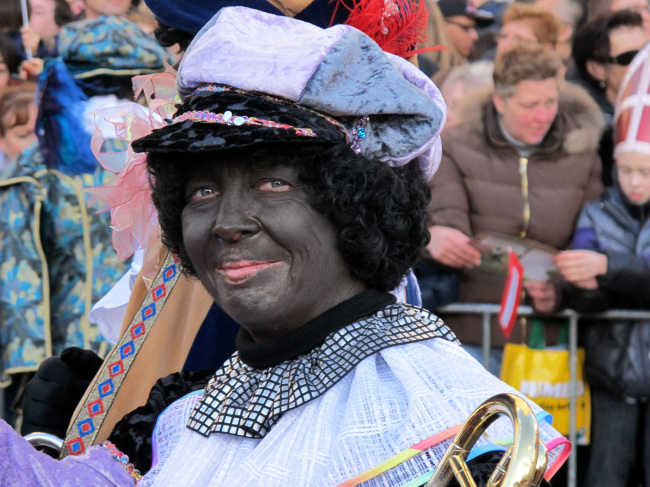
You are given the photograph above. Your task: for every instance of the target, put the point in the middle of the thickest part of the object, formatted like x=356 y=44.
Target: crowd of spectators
x=533 y=93
x=57 y=253
x=537 y=151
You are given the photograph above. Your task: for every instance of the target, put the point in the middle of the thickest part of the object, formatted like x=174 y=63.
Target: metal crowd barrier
x=487 y=310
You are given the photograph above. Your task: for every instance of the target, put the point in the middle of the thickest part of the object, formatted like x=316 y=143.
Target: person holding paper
x=524 y=168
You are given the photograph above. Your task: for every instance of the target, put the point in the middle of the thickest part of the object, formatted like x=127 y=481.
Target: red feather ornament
x=397 y=26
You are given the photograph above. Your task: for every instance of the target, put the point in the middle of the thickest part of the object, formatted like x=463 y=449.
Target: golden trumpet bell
x=523 y=464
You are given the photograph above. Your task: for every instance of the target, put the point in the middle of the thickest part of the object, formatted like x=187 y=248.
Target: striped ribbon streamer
x=499 y=443
x=402 y=456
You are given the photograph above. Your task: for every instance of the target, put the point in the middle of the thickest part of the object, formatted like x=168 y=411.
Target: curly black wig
x=379 y=212
x=167 y=36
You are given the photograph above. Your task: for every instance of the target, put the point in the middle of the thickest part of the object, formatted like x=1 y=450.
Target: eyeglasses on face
x=466 y=28
x=623 y=59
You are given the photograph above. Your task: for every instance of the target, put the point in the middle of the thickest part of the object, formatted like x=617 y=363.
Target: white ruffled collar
x=247 y=402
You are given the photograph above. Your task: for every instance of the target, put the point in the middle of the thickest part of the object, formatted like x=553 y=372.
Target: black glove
x=53 y=394
x=132 y=434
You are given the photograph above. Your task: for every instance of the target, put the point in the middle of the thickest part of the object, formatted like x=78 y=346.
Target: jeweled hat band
x=358 y=133
x=227 y=118
x=222 y=117
x=217 y=88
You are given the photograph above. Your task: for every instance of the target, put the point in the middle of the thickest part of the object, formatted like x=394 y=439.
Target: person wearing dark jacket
x=609 y=268
x=524 y=168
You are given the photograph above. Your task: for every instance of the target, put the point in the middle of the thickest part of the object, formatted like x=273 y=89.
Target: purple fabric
x=586 y=238
x=231 y=63
x=339 y=71
x=429 y=156
x=22 y=465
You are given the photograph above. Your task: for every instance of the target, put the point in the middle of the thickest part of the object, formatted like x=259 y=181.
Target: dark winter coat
x=480 y=187
x=620 y=230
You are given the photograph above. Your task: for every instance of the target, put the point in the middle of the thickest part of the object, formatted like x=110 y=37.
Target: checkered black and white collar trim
x=243 y=401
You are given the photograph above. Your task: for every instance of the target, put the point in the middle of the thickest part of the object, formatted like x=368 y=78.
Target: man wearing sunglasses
x=598 y=7
x=603 y=48
x=461 y=21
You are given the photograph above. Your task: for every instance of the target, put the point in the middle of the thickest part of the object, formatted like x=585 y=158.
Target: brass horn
x=523 y=464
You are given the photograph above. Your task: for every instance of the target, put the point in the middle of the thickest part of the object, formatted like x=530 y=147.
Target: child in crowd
x=609 y=268
x=46 y=19
x=17 y=121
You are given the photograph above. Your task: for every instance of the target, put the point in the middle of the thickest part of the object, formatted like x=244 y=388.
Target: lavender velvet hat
x=326 y=84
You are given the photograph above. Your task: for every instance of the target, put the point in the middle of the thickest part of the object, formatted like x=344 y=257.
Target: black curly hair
x=167 y=36
x=379 y=212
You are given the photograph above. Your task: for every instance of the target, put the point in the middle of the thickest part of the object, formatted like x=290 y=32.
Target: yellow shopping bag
x=543 y=376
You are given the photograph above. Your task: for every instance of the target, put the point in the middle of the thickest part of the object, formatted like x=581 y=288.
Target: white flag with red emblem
x=511 y=294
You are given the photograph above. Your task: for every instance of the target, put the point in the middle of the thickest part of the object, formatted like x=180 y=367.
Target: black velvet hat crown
x=218 y=118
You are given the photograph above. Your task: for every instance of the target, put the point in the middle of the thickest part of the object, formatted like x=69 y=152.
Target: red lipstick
x=240 y=270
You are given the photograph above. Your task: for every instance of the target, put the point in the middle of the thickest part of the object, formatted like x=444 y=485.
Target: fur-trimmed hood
x=585 y=122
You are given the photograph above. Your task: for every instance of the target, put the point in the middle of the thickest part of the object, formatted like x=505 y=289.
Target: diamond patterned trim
x=107 y=382
x=243 y=401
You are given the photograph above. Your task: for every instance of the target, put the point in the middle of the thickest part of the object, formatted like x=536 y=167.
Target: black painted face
x=265 y=255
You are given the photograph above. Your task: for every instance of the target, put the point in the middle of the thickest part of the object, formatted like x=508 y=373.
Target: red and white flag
x=511 y=294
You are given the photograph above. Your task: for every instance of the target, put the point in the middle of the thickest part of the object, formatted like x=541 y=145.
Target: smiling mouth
x=241 y=270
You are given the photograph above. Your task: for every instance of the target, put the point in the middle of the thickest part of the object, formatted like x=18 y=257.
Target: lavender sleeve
x=21 y=464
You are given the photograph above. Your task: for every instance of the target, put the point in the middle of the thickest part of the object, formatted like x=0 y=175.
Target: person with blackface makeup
x=299 y=200
x=192 y=333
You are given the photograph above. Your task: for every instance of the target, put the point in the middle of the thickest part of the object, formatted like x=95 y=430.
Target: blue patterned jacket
x=56 y=261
